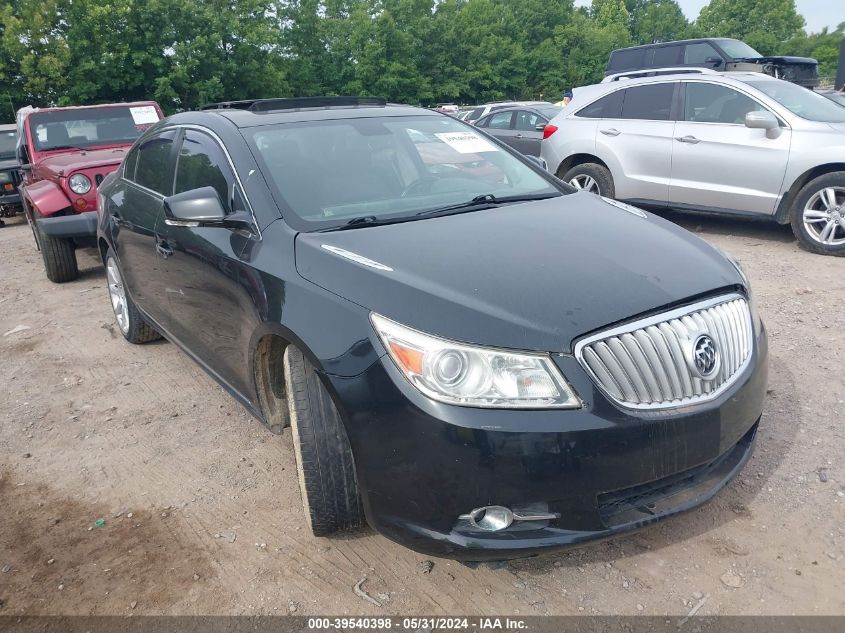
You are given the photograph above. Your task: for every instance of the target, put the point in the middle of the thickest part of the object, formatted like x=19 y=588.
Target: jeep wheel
x=59 y=255
x=132 y=325
x=818 y=215
x=324 y=461
x=591 y=177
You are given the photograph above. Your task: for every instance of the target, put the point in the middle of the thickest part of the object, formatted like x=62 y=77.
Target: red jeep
x=65 y=153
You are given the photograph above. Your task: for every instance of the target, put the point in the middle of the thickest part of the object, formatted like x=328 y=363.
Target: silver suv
x=736 y=143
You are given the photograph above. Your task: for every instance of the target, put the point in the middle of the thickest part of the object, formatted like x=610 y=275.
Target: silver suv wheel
x=585 y=182
x=824 y=216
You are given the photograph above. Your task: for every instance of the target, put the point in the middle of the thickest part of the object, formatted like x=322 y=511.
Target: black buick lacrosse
x=473 y=357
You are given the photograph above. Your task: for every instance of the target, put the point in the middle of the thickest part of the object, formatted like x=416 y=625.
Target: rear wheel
x=323 y=455
x=818 y=215
x=59 y=255
x=132 y=325
x=591 y=177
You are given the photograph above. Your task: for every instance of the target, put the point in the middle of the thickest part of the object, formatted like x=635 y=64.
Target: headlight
x=79 y=183
x=5 y=177
x=473 y=376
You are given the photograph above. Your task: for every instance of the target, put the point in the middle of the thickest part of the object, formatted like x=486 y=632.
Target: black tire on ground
x=138 y=330
x=599 y=173
x=796 y=214
x=323 y=455
x=59 y=255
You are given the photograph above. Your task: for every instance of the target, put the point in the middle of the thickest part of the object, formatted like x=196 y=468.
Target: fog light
x=490 y=518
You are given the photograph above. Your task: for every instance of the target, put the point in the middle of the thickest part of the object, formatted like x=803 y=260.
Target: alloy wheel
x=586 y=183
x=824 y=216
x=117 y=293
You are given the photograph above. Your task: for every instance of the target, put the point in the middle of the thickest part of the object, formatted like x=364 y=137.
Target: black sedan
x=473 y=357
x=521 y=127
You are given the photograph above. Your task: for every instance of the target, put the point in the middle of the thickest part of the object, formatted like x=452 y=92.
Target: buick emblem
x=705 y=357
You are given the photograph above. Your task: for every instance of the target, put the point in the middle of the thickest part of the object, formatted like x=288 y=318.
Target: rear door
x=526 y=138
x=135 y=203
x=208 y=308
x=636 y=141
x=717 y=162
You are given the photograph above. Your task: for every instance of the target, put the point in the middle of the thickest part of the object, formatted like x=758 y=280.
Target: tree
x=763 y=24
x=657 y=21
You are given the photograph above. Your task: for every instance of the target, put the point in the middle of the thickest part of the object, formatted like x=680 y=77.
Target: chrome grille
x=651 y=364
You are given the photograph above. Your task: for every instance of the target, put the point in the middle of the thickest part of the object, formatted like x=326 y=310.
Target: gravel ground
x=200 y=507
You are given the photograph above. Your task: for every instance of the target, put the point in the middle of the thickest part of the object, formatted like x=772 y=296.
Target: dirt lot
x=201 y=505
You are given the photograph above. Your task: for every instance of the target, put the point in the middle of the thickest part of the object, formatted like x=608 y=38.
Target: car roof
x=245 y=114
x=694 y=76
x=91 y=107
x=695 y=40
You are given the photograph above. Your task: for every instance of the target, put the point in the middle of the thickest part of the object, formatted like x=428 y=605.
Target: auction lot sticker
x=466 y=142
x=144 y=114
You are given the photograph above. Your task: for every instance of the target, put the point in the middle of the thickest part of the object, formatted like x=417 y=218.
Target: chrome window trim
x=663 y=317
x=214 y=137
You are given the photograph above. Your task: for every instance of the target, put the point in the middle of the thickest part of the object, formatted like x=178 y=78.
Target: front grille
x=650 y=364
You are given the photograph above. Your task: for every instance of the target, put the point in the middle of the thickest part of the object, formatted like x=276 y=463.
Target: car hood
x=809 y=61
x=9 y=163
x=65 y=163
x=533 y=275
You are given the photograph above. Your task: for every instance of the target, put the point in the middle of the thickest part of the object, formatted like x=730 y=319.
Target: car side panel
x=46 y=197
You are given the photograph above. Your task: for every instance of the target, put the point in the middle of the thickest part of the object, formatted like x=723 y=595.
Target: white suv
x=735 y=143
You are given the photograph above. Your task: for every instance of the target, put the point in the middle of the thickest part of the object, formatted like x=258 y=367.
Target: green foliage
x=184 y=53
x=762 y=24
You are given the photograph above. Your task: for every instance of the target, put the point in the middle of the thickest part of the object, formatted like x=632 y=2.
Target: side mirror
x=540 y=127
x=763 y=120
x=200 y=206
x=713 y=61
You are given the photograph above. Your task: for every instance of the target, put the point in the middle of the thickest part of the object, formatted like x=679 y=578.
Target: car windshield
x=805 y=103
x=550 y=112
x=89 y=127
x=7 y=143
x=376 y=170
x=737 y=49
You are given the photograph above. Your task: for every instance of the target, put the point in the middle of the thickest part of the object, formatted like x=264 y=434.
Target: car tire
x=324 y=460
x=811 y=214
x=597 y=177
x=59 y=255
x=130 y=322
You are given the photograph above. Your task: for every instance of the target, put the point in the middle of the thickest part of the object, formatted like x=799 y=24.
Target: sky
x=817 y=13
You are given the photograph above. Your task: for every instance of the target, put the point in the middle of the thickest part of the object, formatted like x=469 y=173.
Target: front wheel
x=59 y=255
x=323 y=455
x=591 y=177
x=818 y=215
x=132 y=325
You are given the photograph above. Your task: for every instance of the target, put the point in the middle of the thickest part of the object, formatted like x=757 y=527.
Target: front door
x=717 y=162
x=208 y=309
x=527 y=138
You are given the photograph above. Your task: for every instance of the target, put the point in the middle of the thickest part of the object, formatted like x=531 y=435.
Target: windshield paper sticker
x=143 y=115
x=466 y=142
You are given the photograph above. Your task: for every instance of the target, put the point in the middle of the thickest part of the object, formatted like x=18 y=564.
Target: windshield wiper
x=366 y=220
x=488 y=200
x=50 y=149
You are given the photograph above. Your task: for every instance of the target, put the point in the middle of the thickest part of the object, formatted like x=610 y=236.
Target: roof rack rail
x=297 y=103
x=656 y=72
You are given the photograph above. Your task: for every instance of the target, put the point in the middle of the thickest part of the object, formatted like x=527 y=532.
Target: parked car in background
x=65 y=153
x=521 y=128
x=10 y=176
x=722 y=54
x=482 y=368
x=447 y=108
x=461 y=116
x=837 y=96
x=486 y=109
x=738 y=143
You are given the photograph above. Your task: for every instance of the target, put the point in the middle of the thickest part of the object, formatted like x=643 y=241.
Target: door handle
x=163 y=249
x=611 y=132
x=687 y=139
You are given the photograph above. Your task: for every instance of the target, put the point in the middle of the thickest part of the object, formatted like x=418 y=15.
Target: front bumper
x=70 y=226
x=421 y=464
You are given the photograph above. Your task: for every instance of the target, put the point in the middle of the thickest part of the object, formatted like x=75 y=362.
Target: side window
x=500 y=121
x=475 y=114
x=651 y=103
x=608 y=107
x=201 y=163
x=627 y=59
x=129 y=164
x=712 y=103
x=154 y=170
x=697 y=53
x=667 y=56
x=482 y=122
x=527 y=121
